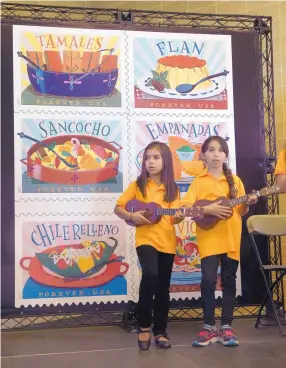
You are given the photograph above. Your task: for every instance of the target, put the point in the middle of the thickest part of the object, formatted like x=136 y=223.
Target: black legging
x=156 y=276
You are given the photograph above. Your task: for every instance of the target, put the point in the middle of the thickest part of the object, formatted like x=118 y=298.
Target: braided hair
x=226 y=170
x=229 y=178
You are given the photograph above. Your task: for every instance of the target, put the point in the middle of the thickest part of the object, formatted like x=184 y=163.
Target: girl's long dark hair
x=226 y=169
x=167 y=173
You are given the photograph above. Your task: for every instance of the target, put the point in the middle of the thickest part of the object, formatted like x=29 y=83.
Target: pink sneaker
x=227 y=337
x=206 y=335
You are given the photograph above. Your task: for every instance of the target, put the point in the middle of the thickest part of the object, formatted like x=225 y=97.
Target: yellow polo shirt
x=281 y=163
x=161 y=236
x=225 y=236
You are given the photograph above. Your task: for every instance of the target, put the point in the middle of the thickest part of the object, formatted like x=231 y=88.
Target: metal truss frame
x=123 y=315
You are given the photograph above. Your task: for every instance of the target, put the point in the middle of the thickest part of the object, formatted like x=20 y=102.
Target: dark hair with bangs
x=167 y=173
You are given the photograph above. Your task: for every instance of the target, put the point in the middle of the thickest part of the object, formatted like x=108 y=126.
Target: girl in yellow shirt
x=280 y=171
x=155 y=243
x=221 y=244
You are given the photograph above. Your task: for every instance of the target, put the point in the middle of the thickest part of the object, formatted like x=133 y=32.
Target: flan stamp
x=180 y=73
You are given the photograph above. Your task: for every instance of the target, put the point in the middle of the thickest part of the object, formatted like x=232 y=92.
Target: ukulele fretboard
x=166 y=211
x=236 y=201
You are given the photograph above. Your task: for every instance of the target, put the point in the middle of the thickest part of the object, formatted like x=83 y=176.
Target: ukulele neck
x=236 y=201
x=166 y=211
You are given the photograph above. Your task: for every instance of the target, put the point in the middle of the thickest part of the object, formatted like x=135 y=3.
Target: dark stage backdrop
x=250 y=154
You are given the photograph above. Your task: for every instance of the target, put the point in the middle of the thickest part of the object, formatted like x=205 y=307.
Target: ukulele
x=209 y=221
x=154 y=212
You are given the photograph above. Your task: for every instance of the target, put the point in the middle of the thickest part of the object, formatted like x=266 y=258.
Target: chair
x=268 y=225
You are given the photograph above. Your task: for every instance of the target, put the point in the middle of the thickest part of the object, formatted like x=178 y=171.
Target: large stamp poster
x=64 y=158
x=86 y=104
x=66 y=69
x=180 y=73
x=184 y=138
x=63 y=259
